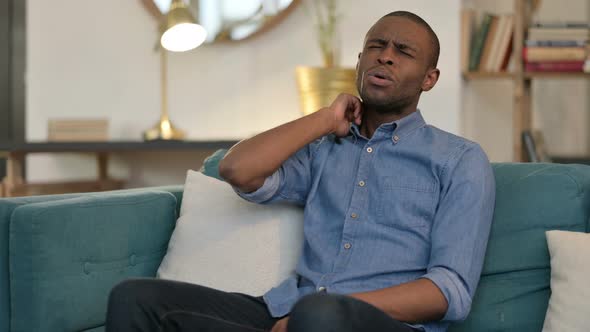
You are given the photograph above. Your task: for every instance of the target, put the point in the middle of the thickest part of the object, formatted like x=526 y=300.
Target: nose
x=386 y=57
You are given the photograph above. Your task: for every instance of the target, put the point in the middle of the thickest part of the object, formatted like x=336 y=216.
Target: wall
x=560 y=106
x=99 y=63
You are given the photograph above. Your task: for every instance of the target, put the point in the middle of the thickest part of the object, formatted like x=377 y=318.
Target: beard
x=394 y=103
x=386 y=105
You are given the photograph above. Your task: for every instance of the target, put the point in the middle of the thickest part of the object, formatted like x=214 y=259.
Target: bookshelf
x=522 y=115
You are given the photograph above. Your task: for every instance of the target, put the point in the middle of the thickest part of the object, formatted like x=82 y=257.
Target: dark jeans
x=162 y=305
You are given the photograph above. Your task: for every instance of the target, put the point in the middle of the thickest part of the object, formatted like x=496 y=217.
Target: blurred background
x=99 y=60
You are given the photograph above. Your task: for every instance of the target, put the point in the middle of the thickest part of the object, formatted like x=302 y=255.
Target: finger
x=357 y=121
x=358 y=112
x=358 y=106
x=349 y=117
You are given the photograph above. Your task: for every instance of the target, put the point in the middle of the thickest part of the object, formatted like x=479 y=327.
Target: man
x=397 y=213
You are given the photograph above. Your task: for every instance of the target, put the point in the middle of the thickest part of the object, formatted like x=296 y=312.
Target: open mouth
x=379 y=78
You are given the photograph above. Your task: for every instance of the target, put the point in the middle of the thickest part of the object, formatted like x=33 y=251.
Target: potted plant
x=319 y=86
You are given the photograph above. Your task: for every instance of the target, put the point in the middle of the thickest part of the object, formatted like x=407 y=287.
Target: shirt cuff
x=264 y=193
x=458 y=299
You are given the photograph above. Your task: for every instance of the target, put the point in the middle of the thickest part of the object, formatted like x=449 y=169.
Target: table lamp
x=180 y=33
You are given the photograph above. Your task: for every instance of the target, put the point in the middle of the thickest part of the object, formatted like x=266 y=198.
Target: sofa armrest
x=66 y=255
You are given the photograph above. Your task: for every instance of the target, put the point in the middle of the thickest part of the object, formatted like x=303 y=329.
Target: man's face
x=392 y=68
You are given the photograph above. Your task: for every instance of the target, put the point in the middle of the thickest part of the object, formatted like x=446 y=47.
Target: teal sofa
x=60 y=255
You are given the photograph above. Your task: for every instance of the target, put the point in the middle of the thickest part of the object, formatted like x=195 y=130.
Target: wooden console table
x=15 y=184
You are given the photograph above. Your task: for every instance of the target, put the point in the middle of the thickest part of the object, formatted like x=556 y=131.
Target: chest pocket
x=406 y=202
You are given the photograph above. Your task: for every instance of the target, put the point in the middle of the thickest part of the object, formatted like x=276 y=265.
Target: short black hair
x=433 y=37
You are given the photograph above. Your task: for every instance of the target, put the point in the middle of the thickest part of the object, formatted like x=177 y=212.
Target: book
x=478 y=42
x=533 y=54
x=508 y=55
x=77 y=130
x=495 y=50
x=504 y=45
x=558 y=31
x=557 y=66
x=558 y=34
x=530 y=147
x=489 y=45
x=534 y=144
x=467 y=25
x=560 y=25
x=555 y=43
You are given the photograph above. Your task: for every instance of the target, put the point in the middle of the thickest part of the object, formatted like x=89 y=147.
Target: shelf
x=585 y=160
x=114 y=146
x=478 y=75
x=563 y=75
x=15 y=184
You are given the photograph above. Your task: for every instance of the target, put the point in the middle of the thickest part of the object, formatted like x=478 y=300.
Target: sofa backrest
x=531 y=198
x=69 y=253
x=513 y=292
x=7 y=206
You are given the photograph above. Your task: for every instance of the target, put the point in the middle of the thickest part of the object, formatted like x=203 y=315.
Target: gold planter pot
x=318 y=87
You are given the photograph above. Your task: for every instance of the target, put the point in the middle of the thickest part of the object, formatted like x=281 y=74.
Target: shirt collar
x=399 y=128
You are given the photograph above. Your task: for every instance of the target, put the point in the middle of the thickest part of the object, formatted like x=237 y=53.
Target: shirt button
x=321 y=289
x=395 y=138
x=369 y=149
x=362 y=183
x=353 y=215
x=347 y=246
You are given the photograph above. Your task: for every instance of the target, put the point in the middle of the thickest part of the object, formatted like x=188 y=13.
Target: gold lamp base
x=163 y=130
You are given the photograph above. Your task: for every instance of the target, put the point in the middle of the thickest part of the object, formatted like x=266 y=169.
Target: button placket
x=355 y=209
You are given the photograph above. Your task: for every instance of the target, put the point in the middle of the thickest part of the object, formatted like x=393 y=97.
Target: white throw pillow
x=224 y=242
x=569 y=306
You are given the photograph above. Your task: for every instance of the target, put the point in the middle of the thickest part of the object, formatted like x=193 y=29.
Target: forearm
x=251 y=161
x=413 y=302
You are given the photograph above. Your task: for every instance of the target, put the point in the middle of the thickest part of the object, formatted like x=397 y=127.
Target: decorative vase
x=319 y=86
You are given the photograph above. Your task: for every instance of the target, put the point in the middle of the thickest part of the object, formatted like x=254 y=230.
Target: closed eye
x=404 y=49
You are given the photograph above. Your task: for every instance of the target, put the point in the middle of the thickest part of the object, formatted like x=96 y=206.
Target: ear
x=358 y=61
x=430 y=79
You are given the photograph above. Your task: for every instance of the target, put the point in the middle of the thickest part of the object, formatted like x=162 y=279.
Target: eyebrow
x=382 y=41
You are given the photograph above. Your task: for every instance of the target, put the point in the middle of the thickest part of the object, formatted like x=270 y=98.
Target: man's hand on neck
x=251 y=161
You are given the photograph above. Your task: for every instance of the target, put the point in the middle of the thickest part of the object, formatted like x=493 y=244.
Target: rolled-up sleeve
x=290 y=182
x=461 y=228
x=264 y=193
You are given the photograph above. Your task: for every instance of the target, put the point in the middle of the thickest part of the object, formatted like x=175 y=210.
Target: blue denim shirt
x=411 y=202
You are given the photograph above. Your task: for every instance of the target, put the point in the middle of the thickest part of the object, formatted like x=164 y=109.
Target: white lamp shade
x=183 y=37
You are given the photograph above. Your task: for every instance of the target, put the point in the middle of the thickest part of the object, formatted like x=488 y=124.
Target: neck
x=373 y=118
